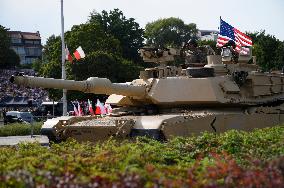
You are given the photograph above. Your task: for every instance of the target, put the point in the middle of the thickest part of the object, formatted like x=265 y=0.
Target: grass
x=231 y=159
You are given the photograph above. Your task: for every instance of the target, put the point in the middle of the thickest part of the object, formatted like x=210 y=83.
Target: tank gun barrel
x=91 y=85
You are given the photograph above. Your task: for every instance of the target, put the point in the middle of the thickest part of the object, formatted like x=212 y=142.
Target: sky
x=44 y=15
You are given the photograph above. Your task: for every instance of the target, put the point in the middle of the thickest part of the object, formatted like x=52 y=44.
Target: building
x=208 y=34
x=27 y=45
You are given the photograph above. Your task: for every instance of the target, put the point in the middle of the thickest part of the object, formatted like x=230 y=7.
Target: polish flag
x=108 y=108
x=90 y=107
x=68 y=55
x=80 y=110
x=100 y=109
x=79 y=53
x=75 y=110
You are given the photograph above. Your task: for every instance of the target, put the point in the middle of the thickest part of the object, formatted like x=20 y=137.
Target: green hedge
x=231 y=159
x=18 y=129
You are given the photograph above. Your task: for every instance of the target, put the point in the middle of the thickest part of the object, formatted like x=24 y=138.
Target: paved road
x=14 y=140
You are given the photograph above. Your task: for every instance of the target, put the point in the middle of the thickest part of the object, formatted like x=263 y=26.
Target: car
x=16 y=116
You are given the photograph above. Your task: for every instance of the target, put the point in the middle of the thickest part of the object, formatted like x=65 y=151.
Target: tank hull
x=162 y=126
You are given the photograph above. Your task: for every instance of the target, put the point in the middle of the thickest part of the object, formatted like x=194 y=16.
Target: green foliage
x=169 y=32
x=100 y=64
x=92 y=37
x=52 y=49
x=52 y=70
x=110 y=42
x=212 y=44
x=18 y=129
x=126 y=31
x=36 y=65
x=105 y=65
x=268 y=50
x=232 y=159
x=8 y=58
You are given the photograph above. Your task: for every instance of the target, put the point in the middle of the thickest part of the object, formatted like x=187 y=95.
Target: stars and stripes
x=228 y=32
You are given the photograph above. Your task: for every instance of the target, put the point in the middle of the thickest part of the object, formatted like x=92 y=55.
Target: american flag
x=228 y=32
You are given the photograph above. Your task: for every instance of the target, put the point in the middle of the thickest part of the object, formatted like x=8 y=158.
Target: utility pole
x=64 y=98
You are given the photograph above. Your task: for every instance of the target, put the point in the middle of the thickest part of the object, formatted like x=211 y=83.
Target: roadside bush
x=18 y=129
x=231 y=159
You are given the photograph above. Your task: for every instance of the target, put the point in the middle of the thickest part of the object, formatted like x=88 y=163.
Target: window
x=30 y=60
x=16 y=41
x=19 y=50
x=33 y=51
x=36 y=42
x=28 y=42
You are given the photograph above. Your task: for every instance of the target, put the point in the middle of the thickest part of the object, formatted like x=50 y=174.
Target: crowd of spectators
x=13 y=96
x=13 y=90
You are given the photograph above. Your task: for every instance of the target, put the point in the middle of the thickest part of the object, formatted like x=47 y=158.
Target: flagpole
x=64 y=98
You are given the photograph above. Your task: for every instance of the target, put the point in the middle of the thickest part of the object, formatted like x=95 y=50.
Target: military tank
x=168 y=101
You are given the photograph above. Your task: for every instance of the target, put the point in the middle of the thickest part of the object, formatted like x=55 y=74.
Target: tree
x=105 y=65
x=104 y=49
x=211 y=43
x=280 y=55
x=36 y=65
x=169 y=32
x=126 y=31
x=52 y=69
x=92 y=37
x=12 y=59
x=52 y=49
x=268 y=50
x=8 y=58
x=4 y=45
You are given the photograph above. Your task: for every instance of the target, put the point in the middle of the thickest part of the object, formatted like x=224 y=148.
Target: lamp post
x=64 y=98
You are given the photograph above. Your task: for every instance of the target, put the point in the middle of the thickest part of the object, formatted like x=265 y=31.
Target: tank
x=167 y=101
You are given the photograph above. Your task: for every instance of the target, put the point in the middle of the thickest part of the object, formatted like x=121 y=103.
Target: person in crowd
x=48 y=115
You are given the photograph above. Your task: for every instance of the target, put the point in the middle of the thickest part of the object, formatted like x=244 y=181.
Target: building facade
x=27 y=45
x=208 y=34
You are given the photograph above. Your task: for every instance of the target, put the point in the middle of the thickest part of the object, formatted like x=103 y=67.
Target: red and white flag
x=100 y=109
x=68 y=55
x=80 y=110
x=75 y=110
x=90 y=107
x=79 y=53
x=108 y=108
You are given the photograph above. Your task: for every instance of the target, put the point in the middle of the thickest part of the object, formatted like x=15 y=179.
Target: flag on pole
x=100 y=109
x=90 y=107
x=229 y=33
x=79 y=53
x=80 y=110
x=75 y=110
x=108 y=108
x=68 y=55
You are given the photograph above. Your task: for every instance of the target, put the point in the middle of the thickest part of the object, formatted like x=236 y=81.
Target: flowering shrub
x=231 y=159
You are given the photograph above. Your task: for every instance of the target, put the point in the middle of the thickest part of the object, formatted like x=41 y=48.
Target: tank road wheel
x=151 y=133
x=62 y=135
x=50 y=135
